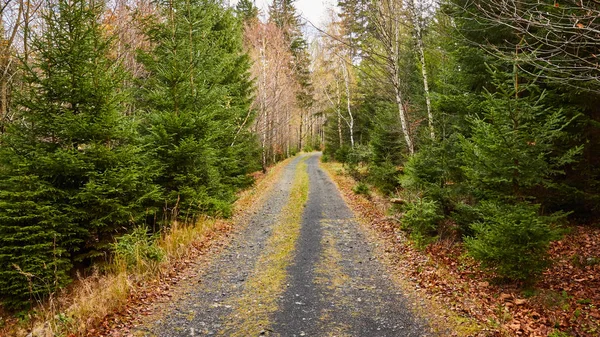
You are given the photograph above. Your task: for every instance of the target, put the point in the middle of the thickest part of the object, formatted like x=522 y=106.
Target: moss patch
x=329 y=270
x=330 y=274
x=262 y=290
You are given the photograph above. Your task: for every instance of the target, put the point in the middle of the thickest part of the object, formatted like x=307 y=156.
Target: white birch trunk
x=395 y=59
x=348 y=102
x=263 y=103
x=421 y=48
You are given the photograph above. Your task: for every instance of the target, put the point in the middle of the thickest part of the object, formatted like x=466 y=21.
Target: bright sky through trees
x=313 y=10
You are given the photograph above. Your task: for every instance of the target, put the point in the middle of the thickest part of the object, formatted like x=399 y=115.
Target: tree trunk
x=403 y=121
x=395 y=67
x=421 y=48
x=263 y=104
x=301 y=127
x=348 y=102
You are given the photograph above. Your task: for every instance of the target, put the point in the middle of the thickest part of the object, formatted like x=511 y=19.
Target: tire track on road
x=337 y=287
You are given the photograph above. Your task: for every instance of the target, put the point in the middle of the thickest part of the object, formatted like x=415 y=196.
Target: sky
x=313 y=10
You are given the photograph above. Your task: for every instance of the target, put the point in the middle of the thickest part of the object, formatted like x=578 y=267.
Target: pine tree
x=196 y=95
x=72 y=176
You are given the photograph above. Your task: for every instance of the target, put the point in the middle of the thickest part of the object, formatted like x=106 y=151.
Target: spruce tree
x=246 y=10
x=510 y=153
x=512 y=146
x=481 y=40
x=71 y=175
x=196 y=97
x=354 y=15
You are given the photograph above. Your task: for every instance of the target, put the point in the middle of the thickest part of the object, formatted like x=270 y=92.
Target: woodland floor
x=327 y=282
x=452 y=290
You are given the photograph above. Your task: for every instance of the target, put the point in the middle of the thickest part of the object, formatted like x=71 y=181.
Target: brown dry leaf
x=520 y=301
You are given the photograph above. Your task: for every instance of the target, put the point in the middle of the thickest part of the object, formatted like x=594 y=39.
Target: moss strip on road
x=332 y=277
x=262 y=290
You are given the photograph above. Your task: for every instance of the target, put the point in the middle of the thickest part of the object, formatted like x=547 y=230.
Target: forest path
x=301 y=267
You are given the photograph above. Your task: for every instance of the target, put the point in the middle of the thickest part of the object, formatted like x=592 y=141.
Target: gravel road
x=335 y=286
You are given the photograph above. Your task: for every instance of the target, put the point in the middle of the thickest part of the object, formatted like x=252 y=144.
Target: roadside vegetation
x=449 y=287
x=142 y=269
x=127 y=133
x=78 y=171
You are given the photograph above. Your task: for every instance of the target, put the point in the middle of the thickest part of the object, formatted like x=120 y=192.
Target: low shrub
x=512 y=240
x=342 y=153
x=434 y=171
x=464 y=215
x=421 y=219
x=362 y=189
x=384 y=176
x=216 y=207
x=360 y=154
x=557 y=333
x=138 y=250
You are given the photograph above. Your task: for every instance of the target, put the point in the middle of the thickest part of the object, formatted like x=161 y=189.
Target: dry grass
x=330 y=275
x=91 y=299
x=176 y=244
x=78 y=310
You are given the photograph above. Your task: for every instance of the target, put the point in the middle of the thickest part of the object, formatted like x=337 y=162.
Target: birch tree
x=12 y=15
x=389 y=36
x=276 y=90
x=335 y=59
x=416 y=9
x=555 y=40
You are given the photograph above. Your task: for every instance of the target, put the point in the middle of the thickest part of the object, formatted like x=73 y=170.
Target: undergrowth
x=138 y=258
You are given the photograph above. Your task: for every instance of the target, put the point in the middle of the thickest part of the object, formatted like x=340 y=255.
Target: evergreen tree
x=511 y=149
x=486 y=37
x=246 y=10
x=510 y=153
x=283 y=14
x=196 y=95
x=71 y=175
x=354 y=17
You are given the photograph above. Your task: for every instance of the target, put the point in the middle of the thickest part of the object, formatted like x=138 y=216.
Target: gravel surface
x=335 y=286
x=203 y=310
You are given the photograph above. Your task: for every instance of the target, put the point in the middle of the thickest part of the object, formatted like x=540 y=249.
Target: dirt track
x=333 y=285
